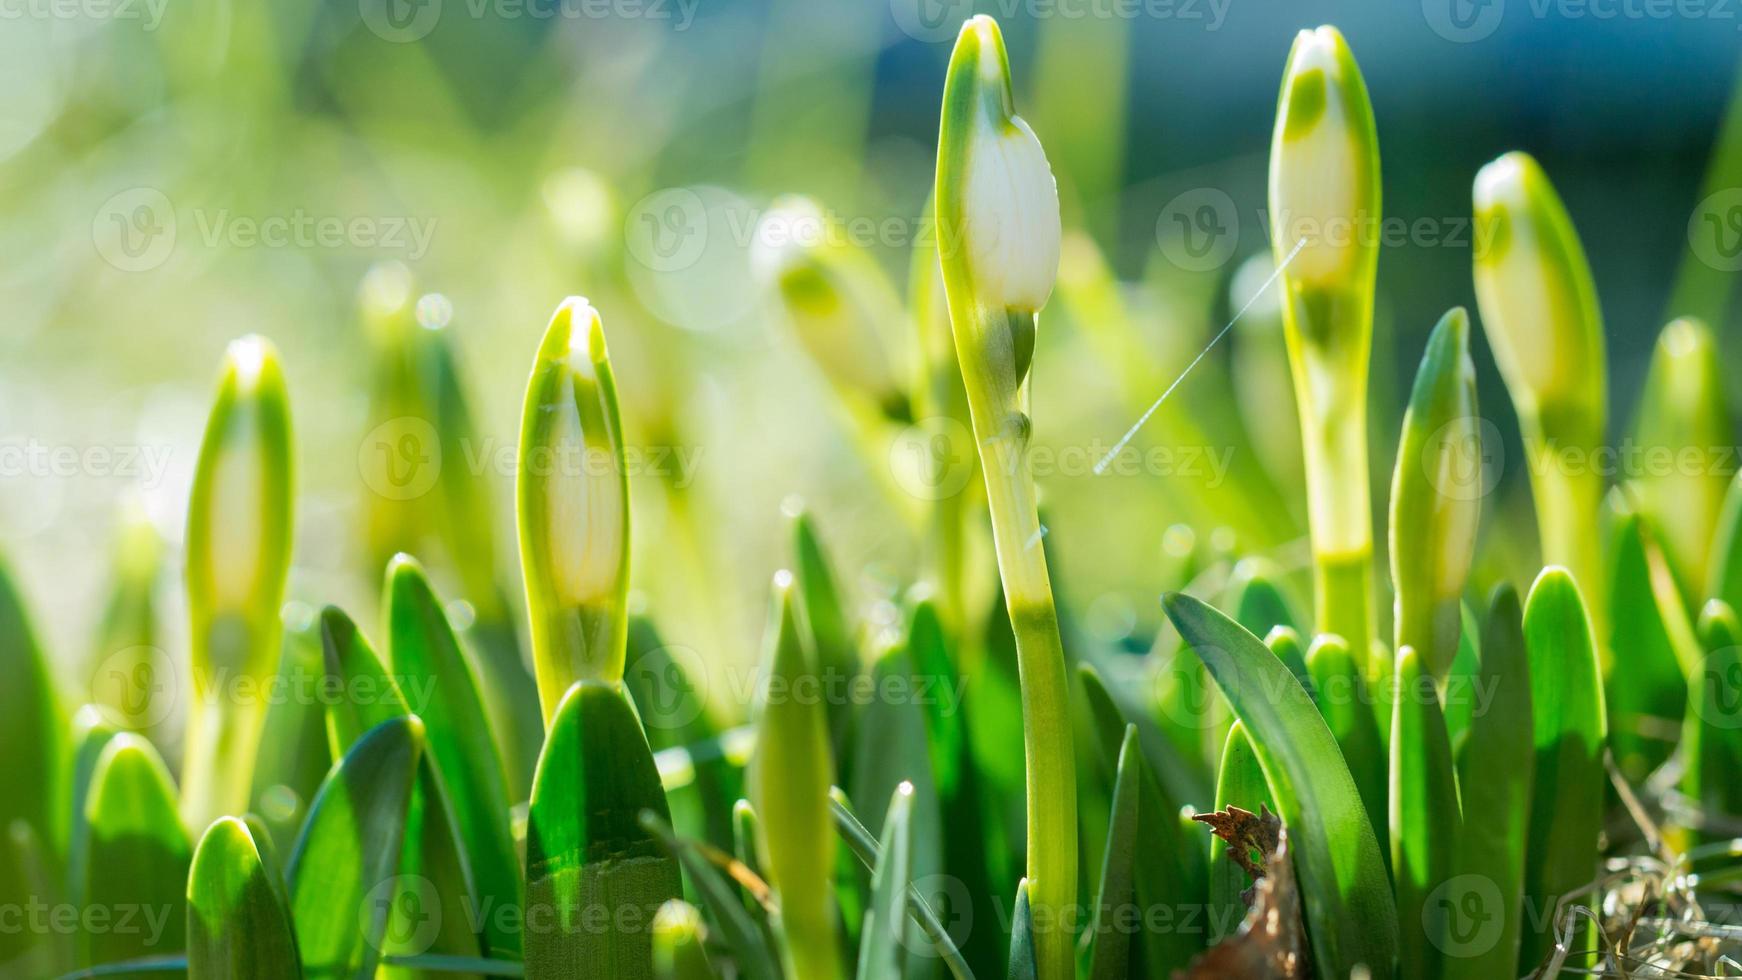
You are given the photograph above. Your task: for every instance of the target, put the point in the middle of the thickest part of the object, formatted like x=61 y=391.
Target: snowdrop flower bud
x=1324 y=166
x=572 y=496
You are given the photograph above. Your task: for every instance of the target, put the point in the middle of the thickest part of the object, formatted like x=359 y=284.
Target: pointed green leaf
x=595 y=877
x=740 y=935
x=789 y=781
x=1109 y=937
x=430 y=665
x=1651 y=642
x=1425 y=824
x=880 y=946
x=1683 y=412
x=30 y=714
x=1348 y=705
x=1169 y=873
x=295 y=751
x=1022 y=959
x=136 y=857
x=1255 y=594
x=344 y=870
x=1436 y=497
x=1479 y=911
x=823 y=618
x=1566 y=698
x=238 y=927
x=1240 y=783
x=1285 y=643
x=360 y=693
x=667 y=686
x=863 y=846
x=1712 y=739
x=1350 y=912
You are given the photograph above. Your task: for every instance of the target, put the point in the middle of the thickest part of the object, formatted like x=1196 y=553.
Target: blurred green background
x=176 y=173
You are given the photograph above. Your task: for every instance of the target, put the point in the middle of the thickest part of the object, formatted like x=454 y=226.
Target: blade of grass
x=881 y=946
x=1239 y=782
x=1108 y=939
x=740 y=934
x=1425 y=823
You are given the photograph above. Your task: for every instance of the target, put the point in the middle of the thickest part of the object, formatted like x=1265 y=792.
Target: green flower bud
x=572 y=493
x=1324 y=169
x=1534 y=288
x=836 y=299
x=239 y=535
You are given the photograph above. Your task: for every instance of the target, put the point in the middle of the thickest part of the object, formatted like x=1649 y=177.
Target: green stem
x=1003 y=438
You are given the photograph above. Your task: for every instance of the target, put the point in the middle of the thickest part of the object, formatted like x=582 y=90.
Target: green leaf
x=30 y=714
x=343 y=872
x=1436 y=497
x=1169 y=872
x=1712 y=739
x=822 y=616
x=679 y=940
x=595 y=876
x=867 y=850
x=1022 y=959
x=1285 y=643
x=1566 y=698
x=1425 y=824
x=1240 y=783
x=1481 y=907
x=92 y=732
x=1461 y=690
x=1724 y=576
x=881 y=954
x=238 y=926
x=1108 y=937
x=431 y=666
x=1347 y=704
x=136 y=857
x=1651 y=643
x=128 y=651
x=1255 y=594
x=739 y=933
x=239 y=537
x=789 y=781
x=1683 y=408
x=436 y=901
x=1350 y=912
x=360 y=693
x=667 y=686
x=572 y=512
x=295 y=751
